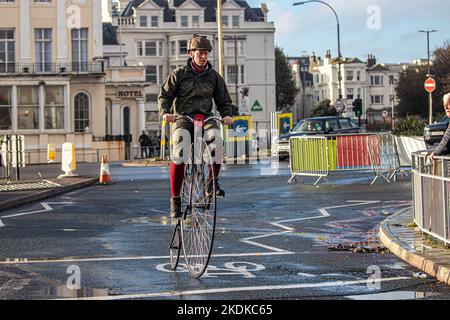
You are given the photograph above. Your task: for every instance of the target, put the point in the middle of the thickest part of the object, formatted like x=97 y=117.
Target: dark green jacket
x=187 y=93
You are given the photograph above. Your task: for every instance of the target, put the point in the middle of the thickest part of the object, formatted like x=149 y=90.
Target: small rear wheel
x=175 y=247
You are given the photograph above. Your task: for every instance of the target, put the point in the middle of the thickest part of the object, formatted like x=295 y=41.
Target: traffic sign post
x=430 y=86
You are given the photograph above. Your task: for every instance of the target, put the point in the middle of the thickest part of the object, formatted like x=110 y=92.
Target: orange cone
x=105 y=176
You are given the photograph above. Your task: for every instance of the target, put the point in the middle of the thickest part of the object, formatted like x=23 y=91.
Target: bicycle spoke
x=198 y=235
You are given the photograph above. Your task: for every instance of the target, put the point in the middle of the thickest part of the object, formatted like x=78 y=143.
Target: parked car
x=314 y=126
x=433 y=133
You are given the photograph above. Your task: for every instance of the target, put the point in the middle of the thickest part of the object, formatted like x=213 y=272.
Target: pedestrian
x=444 y=146
x=144 y=141
x=190 y=90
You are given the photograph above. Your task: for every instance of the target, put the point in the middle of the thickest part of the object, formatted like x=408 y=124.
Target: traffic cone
x=105 y=176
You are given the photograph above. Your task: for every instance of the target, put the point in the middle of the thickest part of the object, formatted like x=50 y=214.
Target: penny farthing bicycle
x=194 y=231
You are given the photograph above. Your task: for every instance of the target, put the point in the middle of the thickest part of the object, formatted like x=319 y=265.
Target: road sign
x=340 y=106
x=284 y=123
x=430 y=85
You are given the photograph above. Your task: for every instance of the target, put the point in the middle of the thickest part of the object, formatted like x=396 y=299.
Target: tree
x=413 y=99
x=286 y=88
x=323 y=109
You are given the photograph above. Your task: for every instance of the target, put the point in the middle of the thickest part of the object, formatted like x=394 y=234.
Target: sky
x=387 y=29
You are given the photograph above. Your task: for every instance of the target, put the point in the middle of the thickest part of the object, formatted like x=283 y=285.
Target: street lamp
x=338 y=39
x=430 y=95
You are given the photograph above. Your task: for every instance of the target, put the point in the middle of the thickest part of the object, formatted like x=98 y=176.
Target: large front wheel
x=199 y=206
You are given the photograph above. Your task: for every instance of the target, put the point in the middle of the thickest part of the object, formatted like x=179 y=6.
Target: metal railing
x=431 y=195
x=51 y=68
x=317 y=156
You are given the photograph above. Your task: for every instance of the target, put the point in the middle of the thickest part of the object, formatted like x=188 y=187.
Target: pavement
x=403 y=238
x=397 y=233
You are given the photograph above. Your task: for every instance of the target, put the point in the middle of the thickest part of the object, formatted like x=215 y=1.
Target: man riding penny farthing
x=186 y=98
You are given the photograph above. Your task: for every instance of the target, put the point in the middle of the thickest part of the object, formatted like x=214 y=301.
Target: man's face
x=200 y=57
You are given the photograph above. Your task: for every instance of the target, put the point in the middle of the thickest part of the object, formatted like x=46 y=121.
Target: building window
x=150 y=48
x=195 y=21
x=80 y=50
x=5 y=108
x=140 y=49
x=229 y=48
x=358 y=75
x=151 y=74
x=173 y=48
x=235 y=21
x=143 y=21
x=376 y=80
x=378 y=99
x=7 y=51
x=225 y=21
x=235 y=73
x=28 y=107
x=349 y=76
x=54 y=107
x=184 y=21
x=154 y=21
x=43 y=46
x=82 y=118
x=183 y=47
x=350 y=93
x=391 y=80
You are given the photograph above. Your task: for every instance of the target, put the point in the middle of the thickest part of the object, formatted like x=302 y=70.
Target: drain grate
x=23 y=186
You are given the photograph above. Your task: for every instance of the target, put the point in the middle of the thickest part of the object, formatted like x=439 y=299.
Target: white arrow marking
x=46 y=206
x=1 y=224
x=280 y=224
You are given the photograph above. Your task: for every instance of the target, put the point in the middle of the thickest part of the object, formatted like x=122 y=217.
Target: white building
x=155 y=34
x=373 y=83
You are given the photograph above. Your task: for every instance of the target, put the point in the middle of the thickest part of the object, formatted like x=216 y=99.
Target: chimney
x=371 y=61
x=170 y=4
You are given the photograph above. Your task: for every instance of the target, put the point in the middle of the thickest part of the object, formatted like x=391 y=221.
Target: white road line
x=281 y=224
x=46 y=206
x=237 y=289
x=1 y=224
x=72 y=260
x=247 y=240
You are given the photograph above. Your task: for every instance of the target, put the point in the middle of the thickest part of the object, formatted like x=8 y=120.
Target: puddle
x=64 y=292
x=394 y=295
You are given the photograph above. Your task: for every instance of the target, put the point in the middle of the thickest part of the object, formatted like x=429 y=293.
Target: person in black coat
x=444 y=146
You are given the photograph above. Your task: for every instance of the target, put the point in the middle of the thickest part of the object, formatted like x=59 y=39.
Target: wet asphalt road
x=272 y=241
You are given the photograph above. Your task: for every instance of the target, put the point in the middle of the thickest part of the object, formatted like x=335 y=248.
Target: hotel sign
x=129 y=94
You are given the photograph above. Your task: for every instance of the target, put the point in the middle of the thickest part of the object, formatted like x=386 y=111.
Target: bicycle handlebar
x=206 y=119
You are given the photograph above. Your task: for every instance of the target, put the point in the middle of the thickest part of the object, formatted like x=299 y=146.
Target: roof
x=347 y=60
x=378 y=67
x=251 y=14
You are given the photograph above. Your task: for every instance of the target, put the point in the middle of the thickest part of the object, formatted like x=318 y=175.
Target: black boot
x=220 y=193
x=175 y=208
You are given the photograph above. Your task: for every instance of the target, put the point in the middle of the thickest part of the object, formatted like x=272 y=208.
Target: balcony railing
x=51 y=68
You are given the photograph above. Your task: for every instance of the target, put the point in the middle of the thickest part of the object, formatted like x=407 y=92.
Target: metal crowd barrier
x=431 y=195
x=317 y=156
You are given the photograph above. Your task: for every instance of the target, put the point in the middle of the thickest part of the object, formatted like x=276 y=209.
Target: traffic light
x=357 y=107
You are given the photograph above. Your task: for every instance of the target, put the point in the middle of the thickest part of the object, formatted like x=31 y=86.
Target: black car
x=433 y=133
x=314 y=126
